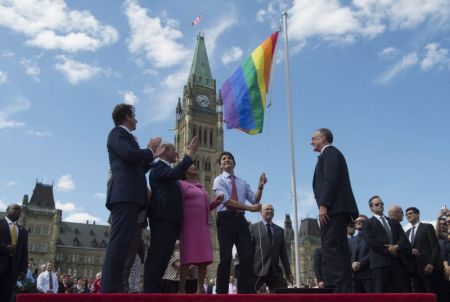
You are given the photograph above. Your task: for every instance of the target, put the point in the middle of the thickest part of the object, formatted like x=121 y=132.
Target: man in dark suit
x=166 y=212
x=127 y=191
x=429 y=268
x=269 y=247
x=388 y=244
x=362 y=276
x=337 y=207
x=13 y=252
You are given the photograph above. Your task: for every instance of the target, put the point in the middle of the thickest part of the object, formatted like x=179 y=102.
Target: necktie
x=386 y=227
x=50 y=280
x=233 y=191
x=269 y=232
x=234 y=195
x=413 y=235
x=13 y=234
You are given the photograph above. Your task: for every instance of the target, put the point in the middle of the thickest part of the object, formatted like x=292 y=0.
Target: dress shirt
x=42 y=283
x=415 y=231
x=222 y=186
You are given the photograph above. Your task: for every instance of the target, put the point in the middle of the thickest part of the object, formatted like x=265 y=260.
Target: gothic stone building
x=309 y=241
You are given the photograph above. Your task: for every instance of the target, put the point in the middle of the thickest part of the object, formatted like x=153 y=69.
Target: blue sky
x=376 y=72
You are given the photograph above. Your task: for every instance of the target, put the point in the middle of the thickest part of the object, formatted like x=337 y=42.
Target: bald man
x=269 y=247
x=396 y=212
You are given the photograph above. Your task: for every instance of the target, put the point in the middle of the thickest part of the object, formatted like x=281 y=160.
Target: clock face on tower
x=202 y=100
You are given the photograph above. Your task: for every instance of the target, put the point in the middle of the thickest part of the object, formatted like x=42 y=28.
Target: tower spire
x=200 y=73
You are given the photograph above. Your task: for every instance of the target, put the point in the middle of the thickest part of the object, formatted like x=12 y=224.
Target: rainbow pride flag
x=244 y=93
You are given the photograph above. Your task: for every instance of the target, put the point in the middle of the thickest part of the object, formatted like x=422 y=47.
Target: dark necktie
x=413 y=235
x=269 y=232
x=50 y=280
x=388 y=230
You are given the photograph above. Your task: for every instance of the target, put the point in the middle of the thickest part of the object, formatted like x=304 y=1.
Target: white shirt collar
x=416 y=225
x=9 y=221
x=226 y=174
x=324 y=148
x=165 y=161
x=122 y=126
x=379 y=216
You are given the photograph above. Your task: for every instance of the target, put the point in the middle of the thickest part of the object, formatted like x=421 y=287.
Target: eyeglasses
x=378 y=204
x=359 y=221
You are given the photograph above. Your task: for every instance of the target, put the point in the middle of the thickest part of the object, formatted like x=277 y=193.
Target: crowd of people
x=381 y=257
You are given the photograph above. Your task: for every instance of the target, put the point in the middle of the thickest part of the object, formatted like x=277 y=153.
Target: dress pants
x=232 y=229
x=336 y=256
x=164 y=234
x=123 y=225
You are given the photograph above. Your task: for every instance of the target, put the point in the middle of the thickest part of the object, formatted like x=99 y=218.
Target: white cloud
x=52 y=25
x=335 y=21
x=3 y=205
x=232 y=55
x=272 y=13
x=17 y=105
x=100 y=196
x=406 y=62
x=3 y=77
x=65 y=183
x=129 y=97
x=388 y=52
x=75 y=71
x=39 y=133
x=8 y=54
x=213 y=33
x=150 y=71
x=154 y=38
x=11 y=183
x=65 y=207
x=435 y=56
x=31 y=69
x=82 y=218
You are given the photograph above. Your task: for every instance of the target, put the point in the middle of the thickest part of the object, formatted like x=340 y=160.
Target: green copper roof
x=200 y=73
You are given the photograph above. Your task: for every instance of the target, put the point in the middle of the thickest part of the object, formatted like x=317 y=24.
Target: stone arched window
x=211 y=137
x=205 y=137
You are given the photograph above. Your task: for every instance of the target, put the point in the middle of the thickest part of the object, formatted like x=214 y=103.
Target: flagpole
x=291 y=143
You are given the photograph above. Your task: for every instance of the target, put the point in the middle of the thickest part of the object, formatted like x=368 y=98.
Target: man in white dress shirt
x=47 y=282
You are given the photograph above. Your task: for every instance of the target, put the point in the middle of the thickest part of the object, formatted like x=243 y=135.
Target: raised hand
x=154 y=143
x=254 y=208
x=193 y=146
x=160 y=150
x=262 y=180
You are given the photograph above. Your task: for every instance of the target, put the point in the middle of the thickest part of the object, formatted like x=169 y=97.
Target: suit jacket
x=426 y=242
x=360 y=253
x=376 y=237
x=166 y=196
x=128 y=165
x=20 y=258
x=268 y=254
x=331 y=183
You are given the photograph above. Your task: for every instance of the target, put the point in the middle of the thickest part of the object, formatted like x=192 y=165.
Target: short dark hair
x=227 y=153
x=120 y=113
x=372 y=198
x=363 y=216
x=414 y=209
x=327 y=133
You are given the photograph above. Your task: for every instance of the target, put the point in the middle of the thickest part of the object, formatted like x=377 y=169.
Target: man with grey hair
x=269 y=247
x=337 y=207
x=396 y=212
